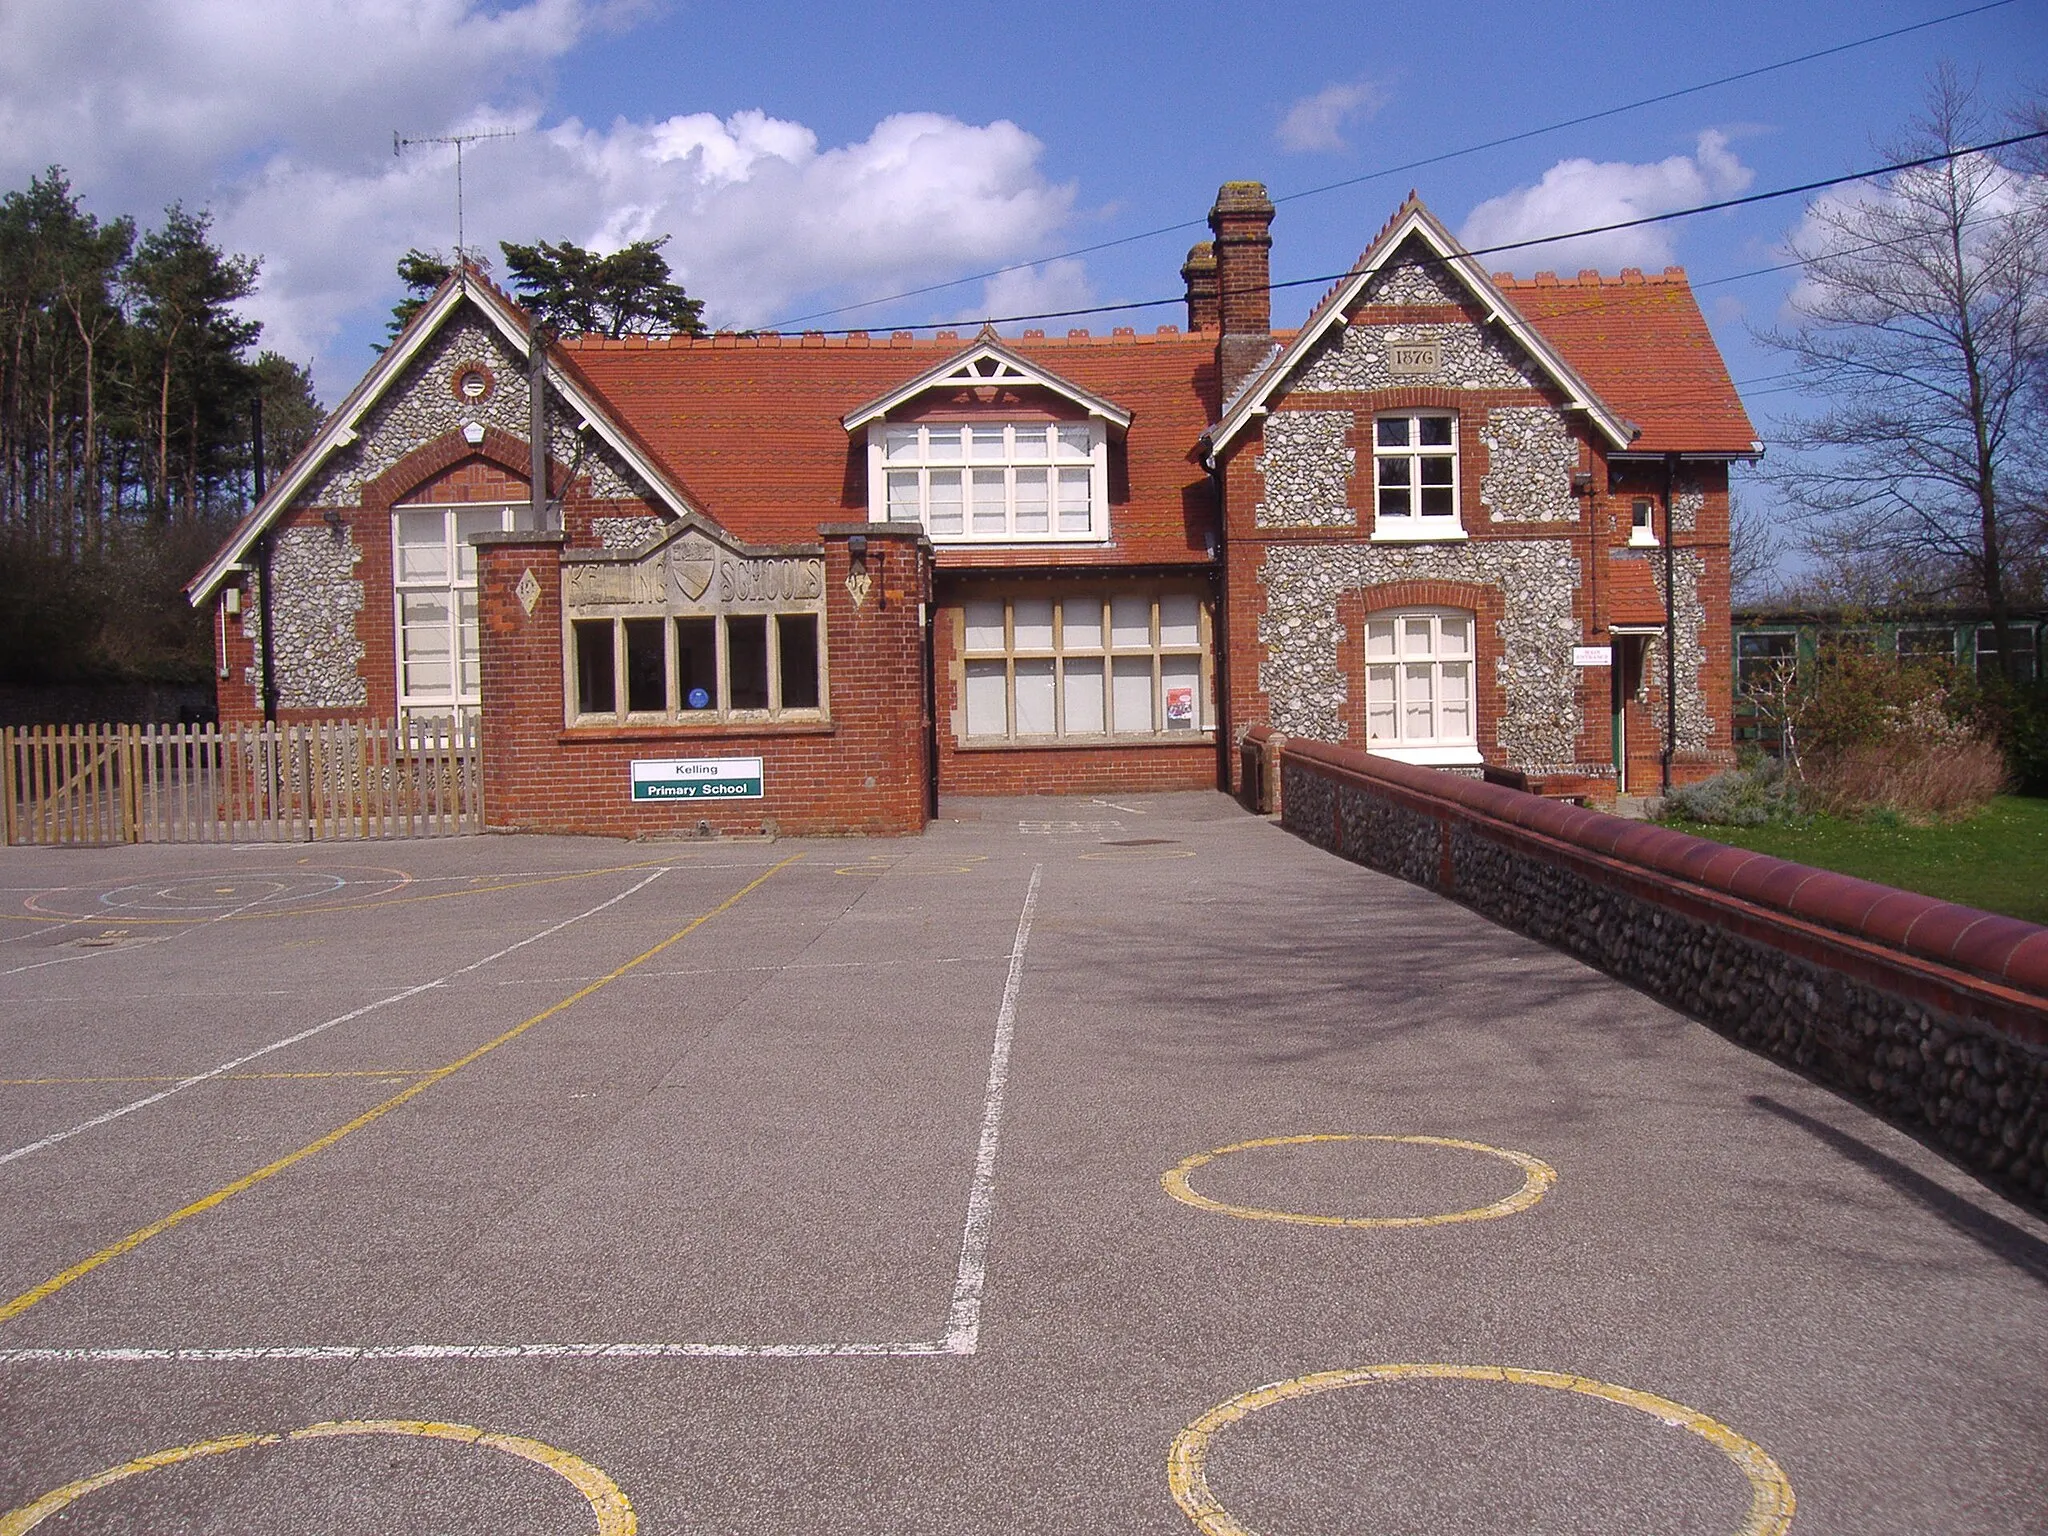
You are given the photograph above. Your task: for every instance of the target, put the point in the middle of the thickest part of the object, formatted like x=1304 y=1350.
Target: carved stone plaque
x=1414 y=359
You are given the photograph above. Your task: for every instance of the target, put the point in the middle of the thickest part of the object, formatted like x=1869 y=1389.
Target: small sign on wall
x=697 y=778
x=1414 y=359
x=1592 y=655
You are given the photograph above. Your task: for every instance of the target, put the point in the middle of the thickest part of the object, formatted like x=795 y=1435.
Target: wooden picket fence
x=319 y=781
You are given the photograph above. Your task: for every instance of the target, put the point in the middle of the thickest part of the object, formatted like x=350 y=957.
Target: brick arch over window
x=428 y=463
x=1483 y=602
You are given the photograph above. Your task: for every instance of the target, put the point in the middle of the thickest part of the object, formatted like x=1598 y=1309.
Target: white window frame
x=1395 y=667
x=1104 y=651
x=458 y=588
x=1642 y=522
x=1415 y=524
x=906 y=449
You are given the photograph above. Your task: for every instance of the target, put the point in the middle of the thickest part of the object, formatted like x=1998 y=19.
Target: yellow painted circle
x=1770 y=1505
x=607 y=1501
x=1137 y=856
x=1537 y=1177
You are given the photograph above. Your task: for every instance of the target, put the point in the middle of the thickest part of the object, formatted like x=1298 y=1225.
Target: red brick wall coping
x=2001 y=949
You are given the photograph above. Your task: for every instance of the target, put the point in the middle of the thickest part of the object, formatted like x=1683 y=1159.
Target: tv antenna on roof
x=400 y=145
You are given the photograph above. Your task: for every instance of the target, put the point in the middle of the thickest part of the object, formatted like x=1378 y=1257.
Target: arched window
x=1420 y=666
x=434 y=569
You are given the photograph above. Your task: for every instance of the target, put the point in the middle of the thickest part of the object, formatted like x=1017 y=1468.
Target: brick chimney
x=1242 y=221
x=1199 y=273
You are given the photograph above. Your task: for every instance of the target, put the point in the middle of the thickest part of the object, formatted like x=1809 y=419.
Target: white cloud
x=760 y=218
x=1316 y=123
x=280 y=119
x=1582 y=194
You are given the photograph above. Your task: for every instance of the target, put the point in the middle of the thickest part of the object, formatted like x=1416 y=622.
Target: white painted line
x=259 y=1354
x=1134 y=810
x=306 y=1034
x=963 y=1323
x=963 y=1319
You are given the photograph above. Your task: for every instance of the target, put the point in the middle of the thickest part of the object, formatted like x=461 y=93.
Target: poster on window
x=1180 y=709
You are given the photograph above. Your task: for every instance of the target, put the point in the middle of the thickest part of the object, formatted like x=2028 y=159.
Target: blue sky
x=807 y=156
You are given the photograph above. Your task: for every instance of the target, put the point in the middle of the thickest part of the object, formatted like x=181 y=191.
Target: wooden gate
x=313 y=782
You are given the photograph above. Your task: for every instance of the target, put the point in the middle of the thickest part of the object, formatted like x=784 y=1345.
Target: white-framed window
x=1642 y=521
x=1420 y=668
x=1415 y=475
x=992 y=482
x=687 y=670
x=433 y=568
x=1086 y=666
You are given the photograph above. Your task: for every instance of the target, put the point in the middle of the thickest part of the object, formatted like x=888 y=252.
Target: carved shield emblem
x=691 y=565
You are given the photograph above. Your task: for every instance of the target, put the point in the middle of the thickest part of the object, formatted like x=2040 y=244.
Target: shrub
x=2018 y=716
x=1878 y=736
x=1743 y=797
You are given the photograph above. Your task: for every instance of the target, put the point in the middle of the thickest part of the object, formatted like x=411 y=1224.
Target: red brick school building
x=810 y=583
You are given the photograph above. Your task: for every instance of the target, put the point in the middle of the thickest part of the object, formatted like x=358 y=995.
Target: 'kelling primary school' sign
x=697 y=778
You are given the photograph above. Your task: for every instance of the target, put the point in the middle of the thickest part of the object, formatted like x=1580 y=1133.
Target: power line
x=1510 y=245
x=1411 y=165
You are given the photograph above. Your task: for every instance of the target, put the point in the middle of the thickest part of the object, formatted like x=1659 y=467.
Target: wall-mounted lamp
x=1582 y=482
x=231 y=601
x=333 y=518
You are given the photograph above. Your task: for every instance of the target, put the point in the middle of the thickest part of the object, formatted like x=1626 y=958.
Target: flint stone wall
x=422 y=406
x=1307 y=465
x=1960 y=1060
x=315 y=598
x=1300 y=632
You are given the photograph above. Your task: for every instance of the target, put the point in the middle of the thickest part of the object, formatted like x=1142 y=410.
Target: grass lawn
x=1997 y=860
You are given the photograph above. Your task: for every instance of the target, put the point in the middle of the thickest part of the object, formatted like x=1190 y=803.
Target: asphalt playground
x=1080 y=1166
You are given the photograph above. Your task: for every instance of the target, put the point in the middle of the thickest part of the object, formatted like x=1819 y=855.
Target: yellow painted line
x=1136 y=856
x=226 y=1077
x=607 y=1501
x=1770 y=1506
x=363 y=906
x=248 y=1181
x=1537 y=1179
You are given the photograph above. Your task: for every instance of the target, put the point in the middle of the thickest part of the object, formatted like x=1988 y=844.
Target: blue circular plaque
x=699 y=699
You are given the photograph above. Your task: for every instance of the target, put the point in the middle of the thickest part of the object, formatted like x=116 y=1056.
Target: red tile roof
x=1643 y=346
x=1628 y=591
x=750 y=427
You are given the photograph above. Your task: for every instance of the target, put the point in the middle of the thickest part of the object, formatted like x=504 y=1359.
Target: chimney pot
x=1199 y=273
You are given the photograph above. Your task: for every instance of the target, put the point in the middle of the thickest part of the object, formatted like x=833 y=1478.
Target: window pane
x=697 y=663
x=1075 y=500
x=1180 y=689
x=476 y=520
x=1180 y=620
x=1379 y=637
x=987 y=703
x=984 y=626
x=1084 y=694
x=989 y=497
x=425 y=616
x=903 y=496
x=1130 y=623
x=945 y=501
x=746 y=659
x=1131 y=693
x=987 y=445
x=1415 y=636
x=900 y=444
x=1034 y=697
x=1395 y=472
x=1433 y=431
x=596 y=693
x=1416 y=717
x=1454 y=635
x=646 y=666
x=1081 y=624
x=1073 y=442
x=1394 y=502
x=796 y=637
x=1031 y=624
x=466 y=644
x=945 y=445
x=422 y=546
x=1380 y=723
x=1033 y=501
x=1391 y=432
x=1454 y=722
